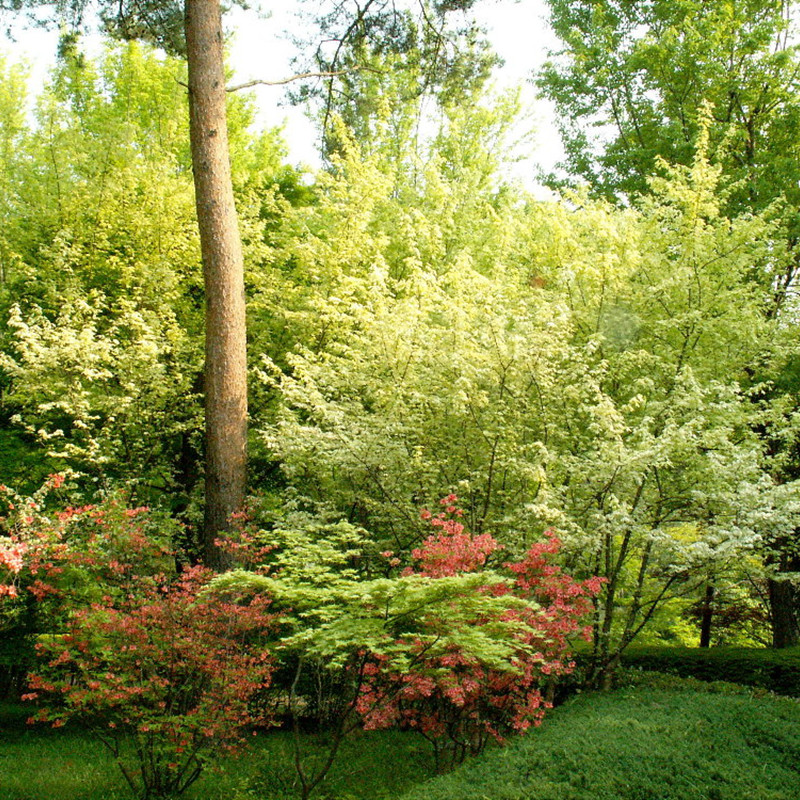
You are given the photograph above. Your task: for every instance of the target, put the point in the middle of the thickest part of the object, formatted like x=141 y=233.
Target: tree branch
x=299 y=77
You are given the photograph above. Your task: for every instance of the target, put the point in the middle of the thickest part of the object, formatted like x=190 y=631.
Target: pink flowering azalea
x=12 y=555
x=452 y=696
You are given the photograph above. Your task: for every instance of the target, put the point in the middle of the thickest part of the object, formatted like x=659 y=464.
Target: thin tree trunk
x=707 y=616
x=223 y=271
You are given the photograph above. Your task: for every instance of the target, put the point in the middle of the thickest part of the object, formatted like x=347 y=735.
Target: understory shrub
x=449 y=640
x=163 y=674
x=458 y=700
x=774 y=670
x=169 y=668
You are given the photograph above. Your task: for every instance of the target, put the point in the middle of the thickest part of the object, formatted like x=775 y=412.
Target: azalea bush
x=164 y=675
x=454 y=643
x=67 y=557
x=458 y=698
x=166 y=678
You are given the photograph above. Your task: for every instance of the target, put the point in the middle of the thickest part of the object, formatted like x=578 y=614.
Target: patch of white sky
x=261 y=49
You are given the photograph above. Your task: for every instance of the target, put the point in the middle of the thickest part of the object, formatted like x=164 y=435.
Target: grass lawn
x=681 y=740
x=666 y=739
x=65 y=764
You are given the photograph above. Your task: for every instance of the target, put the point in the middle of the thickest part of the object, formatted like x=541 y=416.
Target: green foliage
x=618 y=374
x=335 y=613
x=561 y=365
x=101 y=362
x=715 y=745
x=774 y=670
x=630 y=79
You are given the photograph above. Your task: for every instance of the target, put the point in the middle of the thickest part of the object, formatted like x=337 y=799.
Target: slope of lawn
x=665 y=740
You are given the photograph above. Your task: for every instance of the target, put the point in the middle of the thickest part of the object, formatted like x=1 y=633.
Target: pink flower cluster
x=12 y=559
x=156 y=659
x=454 y=696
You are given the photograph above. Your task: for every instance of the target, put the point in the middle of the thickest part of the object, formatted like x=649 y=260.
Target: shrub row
x=775 y=670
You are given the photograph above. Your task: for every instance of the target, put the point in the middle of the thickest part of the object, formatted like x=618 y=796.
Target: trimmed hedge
x=774 y=670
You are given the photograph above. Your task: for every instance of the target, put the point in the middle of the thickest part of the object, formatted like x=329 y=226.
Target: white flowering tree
x=565 y=365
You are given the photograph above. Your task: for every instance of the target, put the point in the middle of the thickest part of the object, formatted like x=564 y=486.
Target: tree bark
x=223 y=271
x=784 y=599
x=707 y=615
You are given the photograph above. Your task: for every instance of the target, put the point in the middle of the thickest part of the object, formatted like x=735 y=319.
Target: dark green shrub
x=16 y=658
x=774 y=670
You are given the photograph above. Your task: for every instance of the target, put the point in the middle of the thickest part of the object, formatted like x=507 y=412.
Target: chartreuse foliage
x=448 y=646
x=101 y=290
x=99 y=347
x=570 y=365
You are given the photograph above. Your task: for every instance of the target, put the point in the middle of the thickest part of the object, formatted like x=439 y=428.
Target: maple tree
x=449 y=644
x=455 y=698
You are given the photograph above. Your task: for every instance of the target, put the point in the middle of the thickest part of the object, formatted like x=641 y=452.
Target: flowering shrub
x=74 y=556
x=17 y=515
x=166 y=677
x=453 y=646
x=163 y=673
x=12 y=560
x=458 y=698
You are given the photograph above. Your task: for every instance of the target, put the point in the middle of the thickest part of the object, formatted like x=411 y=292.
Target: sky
x=260 y=49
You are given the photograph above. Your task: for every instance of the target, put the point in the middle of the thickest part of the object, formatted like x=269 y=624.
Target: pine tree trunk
x=223 y=270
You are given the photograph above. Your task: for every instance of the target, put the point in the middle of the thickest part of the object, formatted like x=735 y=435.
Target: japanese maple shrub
x=457 y=698
x=457 y=644
x=164 y=675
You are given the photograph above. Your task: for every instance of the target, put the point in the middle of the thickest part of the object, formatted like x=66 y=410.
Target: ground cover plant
x=658 y=737
x=669 y=740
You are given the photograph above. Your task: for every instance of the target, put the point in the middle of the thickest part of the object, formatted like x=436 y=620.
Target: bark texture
x=784 y=601
x=223 y=271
